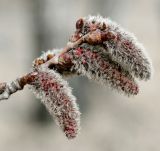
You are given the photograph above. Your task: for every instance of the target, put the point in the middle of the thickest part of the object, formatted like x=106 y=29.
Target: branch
x=7 y=89
x=100 y=50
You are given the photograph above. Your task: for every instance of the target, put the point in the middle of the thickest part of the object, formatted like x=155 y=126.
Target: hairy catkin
x=56 y=95
x=91 y=64
x=122 y=47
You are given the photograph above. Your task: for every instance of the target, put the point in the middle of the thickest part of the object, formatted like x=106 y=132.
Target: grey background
x=110 y=121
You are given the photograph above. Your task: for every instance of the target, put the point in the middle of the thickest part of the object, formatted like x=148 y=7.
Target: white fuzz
x=56 y=95
x=126 y=50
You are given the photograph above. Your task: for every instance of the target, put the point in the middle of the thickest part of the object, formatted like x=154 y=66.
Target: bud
x=46 y=56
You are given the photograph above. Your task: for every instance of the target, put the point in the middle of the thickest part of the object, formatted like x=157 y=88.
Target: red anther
x=127 y=44
x=78 y=51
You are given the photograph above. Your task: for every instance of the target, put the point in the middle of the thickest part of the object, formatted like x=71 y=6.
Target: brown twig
x=93 y=37
x=7 y=89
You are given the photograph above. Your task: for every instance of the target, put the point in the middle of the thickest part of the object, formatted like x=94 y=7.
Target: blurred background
x=110 y=121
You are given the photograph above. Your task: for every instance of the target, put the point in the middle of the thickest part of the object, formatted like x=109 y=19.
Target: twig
x=93 y=37
x=7 y=89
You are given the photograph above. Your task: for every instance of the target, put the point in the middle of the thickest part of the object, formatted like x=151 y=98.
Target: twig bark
x=7 y=89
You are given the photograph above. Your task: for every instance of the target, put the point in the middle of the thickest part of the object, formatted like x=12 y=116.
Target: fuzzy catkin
x=121 y=46
x=56 y=95
x=91 y=64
